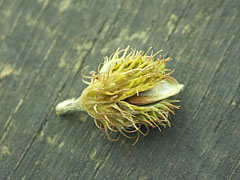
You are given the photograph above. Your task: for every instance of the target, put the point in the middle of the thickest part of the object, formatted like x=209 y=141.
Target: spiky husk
x=106 y=97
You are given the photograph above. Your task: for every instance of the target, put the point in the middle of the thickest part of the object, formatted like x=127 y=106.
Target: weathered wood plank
x=45 y=44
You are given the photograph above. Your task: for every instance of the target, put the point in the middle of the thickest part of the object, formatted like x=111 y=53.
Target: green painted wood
x=45 y=44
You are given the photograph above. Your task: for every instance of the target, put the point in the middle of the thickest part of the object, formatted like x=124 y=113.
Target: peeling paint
x=37 y=162
x=5 y=150
x=24 y=177
x=61 y=144
x=92 y=135
x=5 y=70
x=50 y=32
x=172 y=23
x=41 y=133
x=93 y=154
x=234 y=103
x=62 y=62
x=45 y=3
x=52 y=140
x=174 y=18
x=143 y=178
x=138 y=35
x=186 y=29
x=30 y=21
x=64 y=5
x=97 y=165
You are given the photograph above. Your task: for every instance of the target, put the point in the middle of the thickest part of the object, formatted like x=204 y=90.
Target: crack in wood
x=233 y=172
x=95 y=173
x=55 y=101
x=227 y=109
x=10 y=119
x=42 y=125
x=211 y=80
x=207 y=89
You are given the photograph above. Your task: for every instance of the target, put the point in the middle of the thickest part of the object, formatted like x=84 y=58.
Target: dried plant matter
x=128 y=92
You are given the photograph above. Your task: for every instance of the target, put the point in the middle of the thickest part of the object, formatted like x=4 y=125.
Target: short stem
x=69 y=106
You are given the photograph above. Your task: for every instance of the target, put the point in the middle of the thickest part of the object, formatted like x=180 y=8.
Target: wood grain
x=45 y=44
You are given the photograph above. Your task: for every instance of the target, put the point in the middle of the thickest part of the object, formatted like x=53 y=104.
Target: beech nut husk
x=129 y=91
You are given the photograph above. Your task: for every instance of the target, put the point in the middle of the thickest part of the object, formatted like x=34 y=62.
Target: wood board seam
x=37 y=133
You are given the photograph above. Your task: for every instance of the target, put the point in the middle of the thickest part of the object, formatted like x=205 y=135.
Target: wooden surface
x=45 y=44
